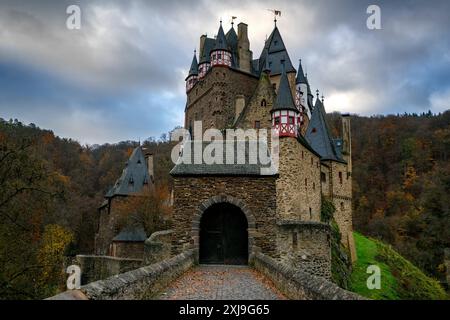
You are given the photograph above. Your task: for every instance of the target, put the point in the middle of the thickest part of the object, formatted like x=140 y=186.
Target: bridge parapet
x=297 y=284
x=139 y=284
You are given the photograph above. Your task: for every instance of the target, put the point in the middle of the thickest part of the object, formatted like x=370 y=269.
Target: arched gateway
x=223 y=235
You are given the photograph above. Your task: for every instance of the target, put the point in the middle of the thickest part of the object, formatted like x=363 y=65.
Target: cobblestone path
x=214 y=282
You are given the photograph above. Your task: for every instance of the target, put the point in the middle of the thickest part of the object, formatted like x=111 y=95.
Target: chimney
x=245 y=56
x=149 y=160
x=202 y=45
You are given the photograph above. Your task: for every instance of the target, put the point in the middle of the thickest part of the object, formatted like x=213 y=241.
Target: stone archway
x=235 y=214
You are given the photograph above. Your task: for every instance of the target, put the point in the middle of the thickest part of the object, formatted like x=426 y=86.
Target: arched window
x=263 y=103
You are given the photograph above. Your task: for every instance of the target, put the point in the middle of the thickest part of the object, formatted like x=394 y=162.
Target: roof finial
x=275 y=21
x=323 y=98
x=317 y=93
x=220 y=21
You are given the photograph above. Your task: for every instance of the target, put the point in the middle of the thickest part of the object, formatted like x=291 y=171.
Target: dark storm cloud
x=122 y=75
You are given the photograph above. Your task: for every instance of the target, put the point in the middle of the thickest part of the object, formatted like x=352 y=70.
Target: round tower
x=192 y=77
x=220 y=54
x=301 y=92
x=285 y=115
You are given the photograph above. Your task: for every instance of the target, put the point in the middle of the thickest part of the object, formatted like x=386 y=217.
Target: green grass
x=400 y=279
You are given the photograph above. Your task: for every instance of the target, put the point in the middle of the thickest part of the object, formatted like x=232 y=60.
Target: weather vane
x=232 y=20
x=276 y=13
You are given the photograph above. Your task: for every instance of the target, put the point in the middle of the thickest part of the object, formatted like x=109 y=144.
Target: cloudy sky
x=121 y=76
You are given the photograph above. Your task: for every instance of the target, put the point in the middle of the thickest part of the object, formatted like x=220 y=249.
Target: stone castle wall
x=298 y=187
x=306 y=246
x=255 y=194
x=212 y=100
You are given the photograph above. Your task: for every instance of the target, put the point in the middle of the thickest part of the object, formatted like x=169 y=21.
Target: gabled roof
x=131 y=234
x=205 y=55
x=300 y=75
x=275 y=49
x=318 y=134
x=193 y=71
x=221 y=40
x=284 y=100
x=134 y=176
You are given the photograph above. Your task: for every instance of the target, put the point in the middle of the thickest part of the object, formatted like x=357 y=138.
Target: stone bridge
x=181 y=277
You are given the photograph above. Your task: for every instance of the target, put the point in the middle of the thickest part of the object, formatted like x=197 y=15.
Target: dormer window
x=131 y=181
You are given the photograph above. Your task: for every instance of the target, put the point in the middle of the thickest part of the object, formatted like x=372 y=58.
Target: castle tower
x=301 y=97
x=220 y=55
x=285 y=115
x=192 y=77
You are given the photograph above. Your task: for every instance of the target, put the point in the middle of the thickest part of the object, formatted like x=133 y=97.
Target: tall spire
x=284 y=100
x=221 y=41
x=193 y=71
x=300 y=75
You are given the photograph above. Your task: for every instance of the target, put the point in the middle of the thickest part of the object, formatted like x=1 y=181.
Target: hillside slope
x=400 y=279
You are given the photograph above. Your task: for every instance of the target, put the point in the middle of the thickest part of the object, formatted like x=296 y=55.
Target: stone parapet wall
x=139 y=284
x=298 y=285
x=305 y=246
x=158 y=247
x=95 y=268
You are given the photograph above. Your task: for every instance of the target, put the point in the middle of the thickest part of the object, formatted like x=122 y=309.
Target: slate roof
x=284 y=100
x=205 y=55
x=318 y=134
x=300 y=75
x=131 y=234
x=221 y=40
x=134 y=176
x=275 y=49
x=193 y=71
x=247 y=168
x=232 y=39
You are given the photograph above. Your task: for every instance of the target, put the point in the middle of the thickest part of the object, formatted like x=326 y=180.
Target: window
x=263 y=103
x=314 y=186
x=323 y=177
x=219 y=56
x=340 y=177
x=310 y=213
x=303 y=154
x=277 y=120
x=306 y=182
x=274 y=86
x=294 y=240
x=313 y=130
x=257 y=124
x=312 y=161
x=291 y=120
x=342 y=206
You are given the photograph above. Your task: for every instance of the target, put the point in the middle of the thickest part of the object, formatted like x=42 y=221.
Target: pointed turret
x=232 y=40
x=285 y=115
x=221 y=54
x=300 y=75
x=192 y=77
x=318 y=133
x=277 y=52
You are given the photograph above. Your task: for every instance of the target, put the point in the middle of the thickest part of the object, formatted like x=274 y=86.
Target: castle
x=226 y=212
